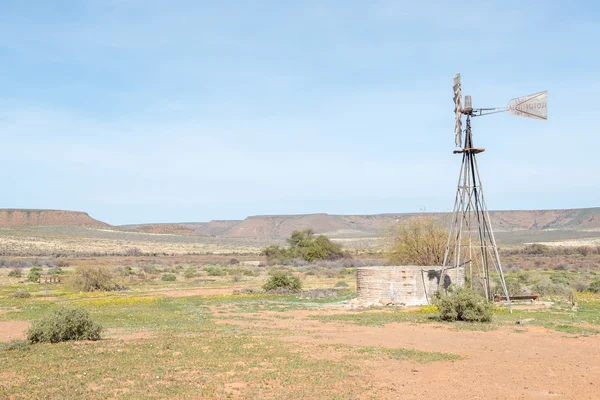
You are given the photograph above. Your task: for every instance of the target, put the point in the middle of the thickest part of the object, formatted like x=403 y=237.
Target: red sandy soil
x=10 y=330
x=499 y=364
x=506 y=363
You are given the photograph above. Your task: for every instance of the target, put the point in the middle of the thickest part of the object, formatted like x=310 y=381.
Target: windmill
x=471 y=243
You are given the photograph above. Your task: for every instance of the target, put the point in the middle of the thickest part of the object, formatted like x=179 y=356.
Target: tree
x=92 y=278
x=417 y=241
x=306 y=245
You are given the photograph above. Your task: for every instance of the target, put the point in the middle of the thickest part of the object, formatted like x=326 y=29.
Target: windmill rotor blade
x=457 y=93
x=457 y=111
x=458 y=131
x=530 y=106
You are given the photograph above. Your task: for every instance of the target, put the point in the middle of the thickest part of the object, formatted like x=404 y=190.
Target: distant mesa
x=510 y=226
x=508 y=223
x=15 y=217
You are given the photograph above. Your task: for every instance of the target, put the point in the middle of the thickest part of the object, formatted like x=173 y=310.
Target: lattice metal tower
x=471 y=243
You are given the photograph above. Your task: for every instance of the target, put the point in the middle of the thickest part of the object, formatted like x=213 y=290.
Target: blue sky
x=165 y=111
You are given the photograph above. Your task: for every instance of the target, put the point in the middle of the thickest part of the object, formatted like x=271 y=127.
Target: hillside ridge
x=376 y=225
x=17 y=217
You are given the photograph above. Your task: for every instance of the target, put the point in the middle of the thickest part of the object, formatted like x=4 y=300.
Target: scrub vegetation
x=204 y=326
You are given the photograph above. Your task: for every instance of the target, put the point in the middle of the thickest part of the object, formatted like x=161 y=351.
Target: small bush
x=127 y=271
x=464 y=304
x=560 y=279
x=215 y=271
x=55 y=271
x=283 y=280
x=150 y=269
x=15 y=273
x=595 y=286
x=134 y=251
x=20 y=294
x=234 y=261
x=190 y=273
x=34 y=274
x=169 y=278
x=580 y=285
x=64 y=324
x=545 y=287
x=177 y=269
x=341 y=284
x=93 y=279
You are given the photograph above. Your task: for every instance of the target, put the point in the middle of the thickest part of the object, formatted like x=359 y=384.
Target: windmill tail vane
x=471 y=251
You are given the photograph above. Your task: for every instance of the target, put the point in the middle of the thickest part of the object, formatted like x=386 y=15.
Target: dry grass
x=69 y=241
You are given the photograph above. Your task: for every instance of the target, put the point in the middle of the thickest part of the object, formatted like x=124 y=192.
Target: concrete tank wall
x=407 y=285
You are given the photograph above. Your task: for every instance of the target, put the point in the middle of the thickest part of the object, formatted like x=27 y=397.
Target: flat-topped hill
x=347 y=226
x=15 y=217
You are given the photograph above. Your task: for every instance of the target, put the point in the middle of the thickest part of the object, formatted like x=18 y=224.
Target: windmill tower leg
x=471 y=243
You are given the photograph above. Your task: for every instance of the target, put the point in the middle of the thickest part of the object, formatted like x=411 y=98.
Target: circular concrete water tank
x=402 y=285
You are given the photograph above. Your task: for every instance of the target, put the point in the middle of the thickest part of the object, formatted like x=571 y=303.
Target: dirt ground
x=506 y=363
x=10 y=330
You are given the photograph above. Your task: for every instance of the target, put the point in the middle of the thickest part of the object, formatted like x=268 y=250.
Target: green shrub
x=560 y=279
x=464 y=304
x=15 y=273
x=190 y=273
x=215 y=271
x=20 y=294
x=536 y=249
x=64 y=324
x=151 y=269
x=127 y=271
x=55 y=271
x=341 y=284
x=595 y=286
x=241 y=271
x=523 y=278
x=545 y=287
x=282 y=280
x=169 y=278
x=91 y=278
x=177 y=269
x=34 y=274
